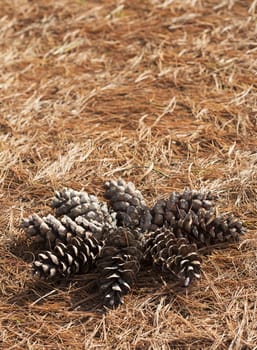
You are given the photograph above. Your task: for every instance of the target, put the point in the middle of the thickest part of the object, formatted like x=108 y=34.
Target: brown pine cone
x=128 y=203
x=77 y=256
x=85 y=209
x=221 y=229
x=173 y=254
x=118 y=264
x=174 y=209
x=48 y=229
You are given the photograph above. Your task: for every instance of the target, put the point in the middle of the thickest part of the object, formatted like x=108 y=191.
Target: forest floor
x=162 y=93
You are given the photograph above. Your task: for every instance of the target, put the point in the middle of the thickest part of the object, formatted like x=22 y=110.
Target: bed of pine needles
x=161 y=93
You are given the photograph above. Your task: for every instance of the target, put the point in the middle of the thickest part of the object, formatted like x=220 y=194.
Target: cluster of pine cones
x=117 y=239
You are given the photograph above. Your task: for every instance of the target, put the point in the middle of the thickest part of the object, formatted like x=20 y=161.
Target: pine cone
x=173 y=254
x=67 y=200
x=128 y=203
x=205 y=228
x=178 y=205
x=192 y=215
x=86 y=209
x=118 y=264
x=220 y=229
x=77 y=256
x=48 y=229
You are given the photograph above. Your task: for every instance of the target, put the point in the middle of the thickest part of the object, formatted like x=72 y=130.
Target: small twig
x=43 y=297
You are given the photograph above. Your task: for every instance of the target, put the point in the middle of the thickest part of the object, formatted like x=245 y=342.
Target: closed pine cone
x=173 y=254
x=128 y=203
x=118 y=264
x=77 y=256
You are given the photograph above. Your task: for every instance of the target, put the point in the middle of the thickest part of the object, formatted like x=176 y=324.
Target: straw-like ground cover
x=161 y=93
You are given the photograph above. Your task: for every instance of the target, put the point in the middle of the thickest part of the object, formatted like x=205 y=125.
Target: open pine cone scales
x=170 y=211
x=45 y=229
x=206 y=228
x=85 y=208
x=77 y=256
x=67 y=200
x=223 y=229
x=128 y=203
x=49 y=229
x=118 y=264
x=173 y=254
x=192 y=215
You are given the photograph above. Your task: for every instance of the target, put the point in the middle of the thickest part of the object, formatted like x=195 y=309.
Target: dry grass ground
x=161 y=93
